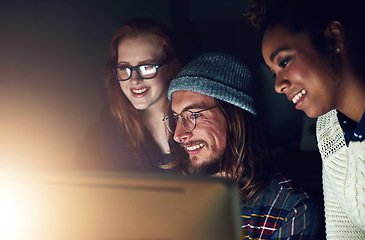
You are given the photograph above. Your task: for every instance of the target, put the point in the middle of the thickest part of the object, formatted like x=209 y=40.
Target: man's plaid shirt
x=281 y=212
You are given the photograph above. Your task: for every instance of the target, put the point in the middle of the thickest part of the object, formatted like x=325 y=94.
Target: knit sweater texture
x=343 y=180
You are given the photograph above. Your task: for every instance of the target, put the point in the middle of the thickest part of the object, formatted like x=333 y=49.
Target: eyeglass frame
x=115 y=74
x=165 y=119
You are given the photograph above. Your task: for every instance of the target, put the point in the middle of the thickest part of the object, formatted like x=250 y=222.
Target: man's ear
x=336 y=35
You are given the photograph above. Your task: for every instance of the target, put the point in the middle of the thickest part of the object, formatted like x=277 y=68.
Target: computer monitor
x=114 y=206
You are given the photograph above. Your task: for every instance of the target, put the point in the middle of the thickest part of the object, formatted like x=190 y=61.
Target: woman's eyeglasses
x=146 y=71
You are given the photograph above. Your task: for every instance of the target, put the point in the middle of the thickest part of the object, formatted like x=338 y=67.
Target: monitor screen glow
x=100 y=206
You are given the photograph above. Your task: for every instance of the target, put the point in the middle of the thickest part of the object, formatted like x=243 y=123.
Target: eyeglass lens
x=144 y=71
x=187 y=118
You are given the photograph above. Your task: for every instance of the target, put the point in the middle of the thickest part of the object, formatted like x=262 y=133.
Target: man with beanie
x=213 y=120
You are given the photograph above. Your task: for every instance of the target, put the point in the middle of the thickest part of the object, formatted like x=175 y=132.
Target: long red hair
x=129 y=117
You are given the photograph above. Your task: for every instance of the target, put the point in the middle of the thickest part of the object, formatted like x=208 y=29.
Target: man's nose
x=181 y=134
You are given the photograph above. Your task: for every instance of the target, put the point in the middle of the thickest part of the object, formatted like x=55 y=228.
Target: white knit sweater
x=343 y=180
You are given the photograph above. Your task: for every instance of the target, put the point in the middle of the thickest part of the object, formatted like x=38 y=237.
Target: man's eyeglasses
x=146 y=71
x=188 y=119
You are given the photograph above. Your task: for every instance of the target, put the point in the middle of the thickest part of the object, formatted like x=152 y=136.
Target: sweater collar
x=352 y=131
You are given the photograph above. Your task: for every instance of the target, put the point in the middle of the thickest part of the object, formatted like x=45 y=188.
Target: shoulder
x=281 y=198
x=286 y=194
x=302 y=213
x=104 y=147
x=326 y=124
x=329 y=134
x=286 y=209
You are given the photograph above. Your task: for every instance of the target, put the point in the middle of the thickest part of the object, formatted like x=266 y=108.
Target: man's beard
x=207 y=168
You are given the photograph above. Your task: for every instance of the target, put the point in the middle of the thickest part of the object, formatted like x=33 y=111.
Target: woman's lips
x=298 y=96
x=140 y=92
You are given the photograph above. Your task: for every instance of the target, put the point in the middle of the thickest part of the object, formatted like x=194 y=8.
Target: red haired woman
x=142 y=61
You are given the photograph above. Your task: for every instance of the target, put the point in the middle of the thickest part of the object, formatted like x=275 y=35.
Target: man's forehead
x=182 y=100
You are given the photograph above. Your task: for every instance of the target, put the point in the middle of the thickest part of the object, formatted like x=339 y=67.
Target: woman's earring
x=338 y=50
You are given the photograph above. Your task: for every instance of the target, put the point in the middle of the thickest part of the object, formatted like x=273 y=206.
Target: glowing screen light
x=24 y=212
x=99 y=207
x=16 y=213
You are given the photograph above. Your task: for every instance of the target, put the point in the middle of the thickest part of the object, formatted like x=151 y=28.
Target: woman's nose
x=281 y=83
x=135 y=78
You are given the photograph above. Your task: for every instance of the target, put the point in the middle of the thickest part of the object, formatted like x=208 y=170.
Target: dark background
x=52 y=56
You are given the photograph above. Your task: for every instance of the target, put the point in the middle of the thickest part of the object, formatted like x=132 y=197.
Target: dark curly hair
x=313 y=17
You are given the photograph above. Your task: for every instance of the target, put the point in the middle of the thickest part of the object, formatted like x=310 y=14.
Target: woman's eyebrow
x=276 y=52
x=147 y=61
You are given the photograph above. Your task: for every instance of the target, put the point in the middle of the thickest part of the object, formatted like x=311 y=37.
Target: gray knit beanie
x=218 y=75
